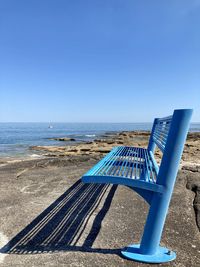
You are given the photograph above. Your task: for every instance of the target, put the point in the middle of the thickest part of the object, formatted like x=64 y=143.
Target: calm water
x=15 y=138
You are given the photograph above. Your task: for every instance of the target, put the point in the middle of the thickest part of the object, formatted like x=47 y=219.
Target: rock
x=194 y=136
x=85 y=149
x=63 y=139
x=123 y=134
x=192 y=168
x=72 y=149
x=48 y=148
x=101 y=149
x=50 y=155
x=37 y=148
x=108 y=136
x=119 y=142
x=193 y=184
x=100 y=140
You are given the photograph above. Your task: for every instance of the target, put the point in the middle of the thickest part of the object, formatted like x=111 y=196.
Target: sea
x=17 y=138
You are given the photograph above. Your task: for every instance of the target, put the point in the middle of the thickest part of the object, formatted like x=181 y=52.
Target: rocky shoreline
x=99 y=147
x=28 y=187
x=96 y=147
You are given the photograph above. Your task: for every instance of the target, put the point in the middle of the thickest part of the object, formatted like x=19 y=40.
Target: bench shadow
x=61 y=226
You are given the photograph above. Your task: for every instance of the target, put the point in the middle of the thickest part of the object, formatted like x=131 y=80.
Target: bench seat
x=131 y=166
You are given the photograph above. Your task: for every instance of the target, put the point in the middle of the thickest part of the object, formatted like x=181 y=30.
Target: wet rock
x=63 y=139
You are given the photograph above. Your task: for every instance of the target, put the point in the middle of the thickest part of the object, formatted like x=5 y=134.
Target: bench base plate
x=163 y=254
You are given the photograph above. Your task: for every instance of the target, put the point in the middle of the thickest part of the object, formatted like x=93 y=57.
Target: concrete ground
x=49 y=218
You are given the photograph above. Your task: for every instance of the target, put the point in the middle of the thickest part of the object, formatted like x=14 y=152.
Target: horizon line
x=194 y=122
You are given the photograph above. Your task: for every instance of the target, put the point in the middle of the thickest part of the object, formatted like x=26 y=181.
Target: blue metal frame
x=169 y=135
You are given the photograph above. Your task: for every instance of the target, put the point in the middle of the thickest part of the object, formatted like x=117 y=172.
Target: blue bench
x=137 y=168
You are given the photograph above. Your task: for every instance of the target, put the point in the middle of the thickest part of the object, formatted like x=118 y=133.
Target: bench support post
x=149 y=250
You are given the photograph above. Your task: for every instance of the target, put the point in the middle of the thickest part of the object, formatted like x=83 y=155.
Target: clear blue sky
x=98 y=60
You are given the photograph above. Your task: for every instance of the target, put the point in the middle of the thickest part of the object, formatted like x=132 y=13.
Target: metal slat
x=99 y=164
x=151 y=169
x=125 y=162
x=128 y=163
x=120 y=166
x=161 y=131
x=133 y=166
x=147 y=167
x=141 y=161
x=114 y=167
x=136 y=163
x=164 y=134
x=109 y=159
x=158 y=141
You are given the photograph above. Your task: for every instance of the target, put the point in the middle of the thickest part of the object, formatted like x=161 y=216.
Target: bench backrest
x=169 y=135
x=160 y=132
